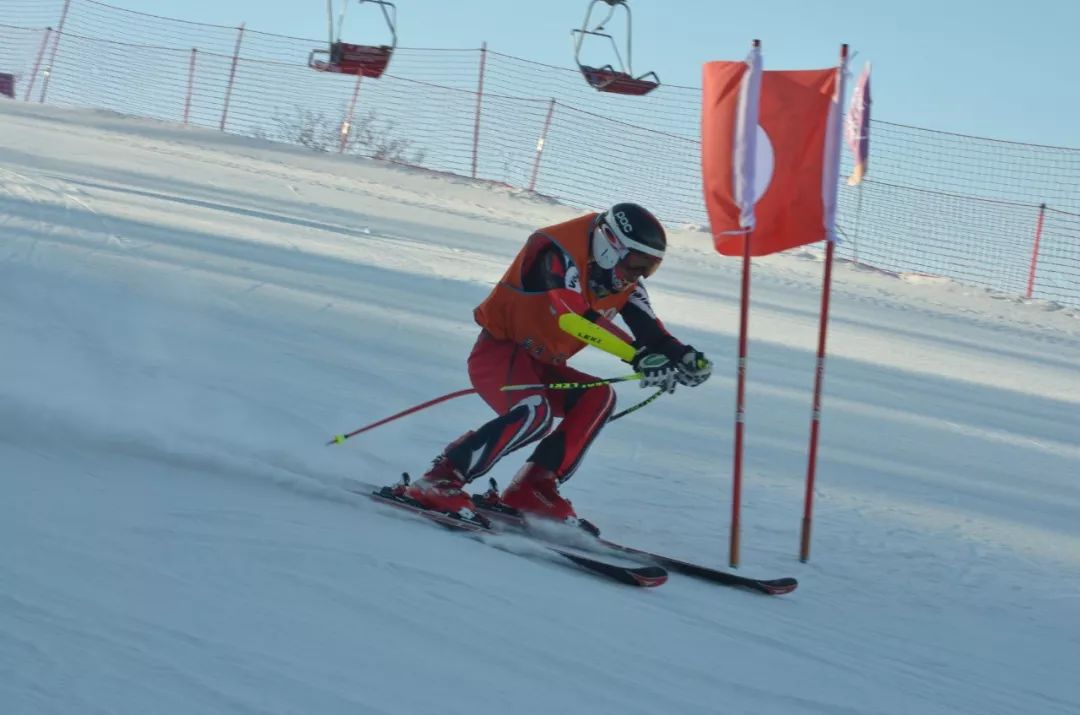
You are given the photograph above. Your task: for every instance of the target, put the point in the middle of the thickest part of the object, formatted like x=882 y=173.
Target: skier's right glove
x=656 y=370
x=694 y=368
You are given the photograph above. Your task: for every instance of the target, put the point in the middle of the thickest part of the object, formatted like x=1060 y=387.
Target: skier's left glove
x=693 y=368
x=656 y=370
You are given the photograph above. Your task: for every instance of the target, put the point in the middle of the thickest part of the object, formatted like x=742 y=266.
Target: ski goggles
x=634 y=260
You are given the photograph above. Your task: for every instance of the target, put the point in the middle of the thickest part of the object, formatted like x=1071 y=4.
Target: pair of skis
x=602 y=559
x=635 y=575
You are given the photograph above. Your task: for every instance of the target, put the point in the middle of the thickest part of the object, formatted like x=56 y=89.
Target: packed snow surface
x=187 y=317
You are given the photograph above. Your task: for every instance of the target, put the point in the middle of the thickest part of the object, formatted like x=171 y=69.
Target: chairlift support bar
x=598 y=32
x=608 y=78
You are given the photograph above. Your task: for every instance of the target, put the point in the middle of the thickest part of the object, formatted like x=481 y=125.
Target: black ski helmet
x=627 y=229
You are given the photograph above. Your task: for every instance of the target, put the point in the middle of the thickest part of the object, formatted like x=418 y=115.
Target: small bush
x=369 y=134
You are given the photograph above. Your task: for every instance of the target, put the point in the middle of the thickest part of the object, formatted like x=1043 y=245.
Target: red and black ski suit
x=521 y=343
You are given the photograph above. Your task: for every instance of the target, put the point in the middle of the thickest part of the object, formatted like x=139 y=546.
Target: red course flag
x=730 y=100
x=794 y=175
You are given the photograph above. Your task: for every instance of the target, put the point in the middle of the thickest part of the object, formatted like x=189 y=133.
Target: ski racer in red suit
x=593 y=266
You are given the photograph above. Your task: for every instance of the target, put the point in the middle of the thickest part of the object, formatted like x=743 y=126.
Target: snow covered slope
x=186 y=318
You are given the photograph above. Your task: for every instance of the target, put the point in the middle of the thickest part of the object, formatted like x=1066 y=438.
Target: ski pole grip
x=589 y=332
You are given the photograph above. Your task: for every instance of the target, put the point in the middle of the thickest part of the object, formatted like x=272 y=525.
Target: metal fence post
x=540 y=144
x=232 y=75
x=1035 y=249
x=37 y=63
x=346 y=126
x=190 y=86
x=55 y=47
x=479 y=104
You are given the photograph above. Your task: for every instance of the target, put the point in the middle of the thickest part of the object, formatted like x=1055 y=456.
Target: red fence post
x=232 y=75
x=190 y=86
x=479 y=103
x=346 y=126
x=540 y=144
x=1035 y=249
x=55 y=47
x=37 y=63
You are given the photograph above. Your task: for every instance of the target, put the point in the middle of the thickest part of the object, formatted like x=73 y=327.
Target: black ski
x=646 y=575
x=771 y=586
x=491 y=509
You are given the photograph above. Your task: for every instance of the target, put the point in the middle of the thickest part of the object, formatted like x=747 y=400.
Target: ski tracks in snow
x=44 y=196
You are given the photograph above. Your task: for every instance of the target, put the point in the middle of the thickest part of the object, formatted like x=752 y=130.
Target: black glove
x=656 y=370
x=693 y=369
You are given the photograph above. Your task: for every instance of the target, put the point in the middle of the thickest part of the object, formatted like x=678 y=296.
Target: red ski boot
x=535 y=492
x=440 y=490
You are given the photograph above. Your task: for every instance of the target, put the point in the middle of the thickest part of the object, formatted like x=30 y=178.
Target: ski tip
x=778 y=586
x=650 y=576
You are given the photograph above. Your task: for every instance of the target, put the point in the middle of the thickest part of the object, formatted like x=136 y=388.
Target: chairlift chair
x=346 y=58
x=607 y=78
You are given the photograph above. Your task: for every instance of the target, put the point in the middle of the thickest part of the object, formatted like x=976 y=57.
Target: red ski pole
x=338 y=439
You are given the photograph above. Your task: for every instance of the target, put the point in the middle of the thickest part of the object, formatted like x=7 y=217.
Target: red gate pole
x=833 y=168
x=1035 y=249
x=346 y=126
x=740 y=391
x=479 y=104
x=232 y=75
x=52 y=55
x=540 y=144
x=37 y=63
x=740 y=407
x=815 y=419
x=190 y=87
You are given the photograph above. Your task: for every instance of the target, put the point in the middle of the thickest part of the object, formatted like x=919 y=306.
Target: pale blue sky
x=1007 y=70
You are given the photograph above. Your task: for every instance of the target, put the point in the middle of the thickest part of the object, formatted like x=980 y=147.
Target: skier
x=592 y=266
